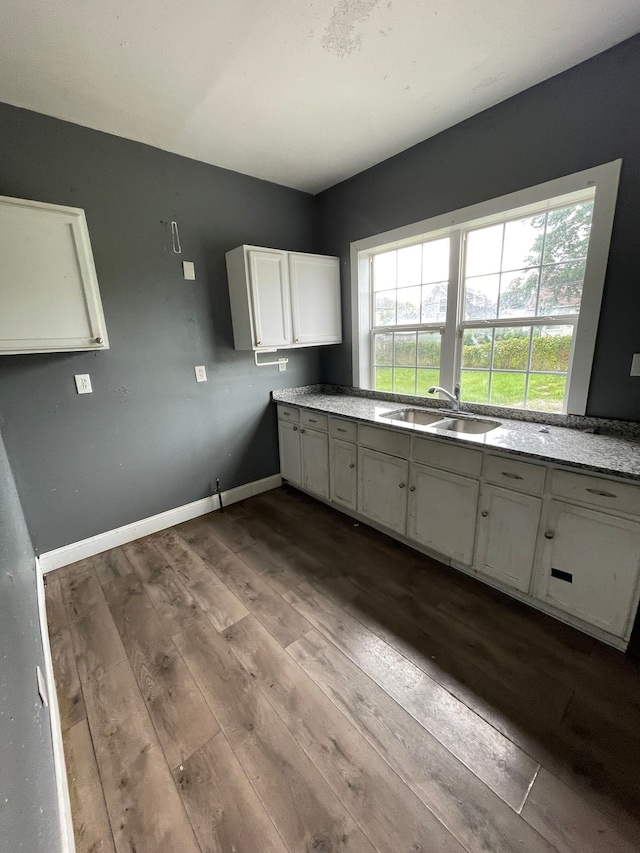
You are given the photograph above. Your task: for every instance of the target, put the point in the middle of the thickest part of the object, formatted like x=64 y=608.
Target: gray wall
x=149 y=438
x=28 y=805
x=581 y=118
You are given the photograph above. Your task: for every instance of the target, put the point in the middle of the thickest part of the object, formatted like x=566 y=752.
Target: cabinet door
x=315 y=461
x=315 y=299
x=589 y=565
x=507 y=533
x=270 y=298
x=442 y=512
x=290 y=455
x=344 y=473
x=382 y=493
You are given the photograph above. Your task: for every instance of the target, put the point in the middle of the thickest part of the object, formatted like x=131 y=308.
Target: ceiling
x=301 y=92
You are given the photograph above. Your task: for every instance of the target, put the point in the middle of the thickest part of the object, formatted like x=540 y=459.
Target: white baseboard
x=51 y=560
x=67 y=841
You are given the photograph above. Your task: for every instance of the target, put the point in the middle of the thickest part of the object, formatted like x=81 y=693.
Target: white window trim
x=604 y=178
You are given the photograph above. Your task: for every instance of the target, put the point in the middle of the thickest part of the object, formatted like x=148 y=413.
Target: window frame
x=550 y=195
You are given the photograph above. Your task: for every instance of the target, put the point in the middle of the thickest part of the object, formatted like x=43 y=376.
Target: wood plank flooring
x=279 y=679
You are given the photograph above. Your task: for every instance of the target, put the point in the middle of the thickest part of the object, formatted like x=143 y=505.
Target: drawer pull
x=340 y=429
x=352 y=465
x=312 y=421
x=562 y=576
x=286 y=414
x=549 y=534
x=602 y=493
x=512 y=476
x=484 y=513
x=401 y=485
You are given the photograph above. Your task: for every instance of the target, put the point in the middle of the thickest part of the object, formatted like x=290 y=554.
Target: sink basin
x=413 y=416
x=468 y=425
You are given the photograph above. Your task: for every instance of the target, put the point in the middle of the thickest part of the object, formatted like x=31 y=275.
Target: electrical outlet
x=201 y=373
x=83 y=383
x=635 y=365
x=189 y=270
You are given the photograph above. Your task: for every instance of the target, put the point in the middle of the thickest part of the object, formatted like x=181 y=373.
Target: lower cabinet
x=344 y=473
x=442 y=511
x=382 y=492
x=506 y=538
x=589 y=565
x=290 y=452
x=315 y=461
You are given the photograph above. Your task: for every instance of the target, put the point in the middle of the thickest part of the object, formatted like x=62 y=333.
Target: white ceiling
x=301 y=92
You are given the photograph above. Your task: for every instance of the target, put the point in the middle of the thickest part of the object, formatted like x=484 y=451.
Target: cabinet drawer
x=314 y=420
x=513 y=474
x=608 y=494
x=384 y=439
x=286 y=413
x=345 y=430
x=440 y=455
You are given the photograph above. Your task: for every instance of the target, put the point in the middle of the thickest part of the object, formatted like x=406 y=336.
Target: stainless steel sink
x=413 y=416
x=468 y=425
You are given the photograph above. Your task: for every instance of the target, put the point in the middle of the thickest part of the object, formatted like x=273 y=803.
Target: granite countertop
x=617 y=455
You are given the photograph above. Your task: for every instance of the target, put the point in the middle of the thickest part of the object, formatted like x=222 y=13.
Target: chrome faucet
x=455 y=397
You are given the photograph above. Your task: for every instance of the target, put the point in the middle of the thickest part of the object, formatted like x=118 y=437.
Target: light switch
x=635 y=365
x=201 y=373
x=83 y=383
x=189 y=270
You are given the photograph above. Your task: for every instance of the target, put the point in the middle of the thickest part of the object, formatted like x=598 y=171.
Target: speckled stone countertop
x=615 y=454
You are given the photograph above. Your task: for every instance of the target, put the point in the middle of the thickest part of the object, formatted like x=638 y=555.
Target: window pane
x=409 y=266
x=405 y=348
x=383 y=379
x=561 y=288
x=408 y=305
x=484 y=250
x=511 y=349
x=383 y=349
x=404 y=380
x=427 y=378
x=481 y=297
x=523 y=242
x=567 y=236
x=476 y=348
x=474 y=386
x=434 y=302
x=435 y=261
x=429 y=349
x=551 y=348
x=386 y=308
x=507 y=389
x=384 y=271
x=518 y=293
x=546 y=392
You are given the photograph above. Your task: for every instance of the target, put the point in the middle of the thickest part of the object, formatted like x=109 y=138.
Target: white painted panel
x=270 y=298
x=290 y=454
x=315 y=298
x=382 y=492
x=379 y=438
x=610 y=495
x=514 y=474
x=315 y=461
x=314 y=420
x=344 y=473
x=507 y=531
x=346 y=430
x=288 y=413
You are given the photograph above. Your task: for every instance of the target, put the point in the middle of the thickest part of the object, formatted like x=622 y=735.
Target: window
x=504 y=298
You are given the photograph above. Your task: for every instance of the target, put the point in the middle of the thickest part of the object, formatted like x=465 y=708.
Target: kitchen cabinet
x=344 y=473
x=315 y=461
x=49 y=295
x=442 y=511
x=304 y=452
x=290 y=452
x=507 y=533
x=382 y=492
x=283 y=299
x=589 y=565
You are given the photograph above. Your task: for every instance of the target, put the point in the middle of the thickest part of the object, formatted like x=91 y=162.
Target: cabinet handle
x=353 y=465
x=512 y=476
x=602 y=493
x=301 y=431
x=549 y=534
x=296 y=340
x=484 y=513
x=412 y=488
x=99 y=340
x=295 y=429
x=311 y=421
x=340 y=429
x=259 y=343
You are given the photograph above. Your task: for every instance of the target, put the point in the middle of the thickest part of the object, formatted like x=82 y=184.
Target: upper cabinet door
x=315 y=299
x=49 y=297
x=270 y=298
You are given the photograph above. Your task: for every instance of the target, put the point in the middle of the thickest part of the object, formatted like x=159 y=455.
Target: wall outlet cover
x=83 y=383
x=201 y=373
x=189 y=270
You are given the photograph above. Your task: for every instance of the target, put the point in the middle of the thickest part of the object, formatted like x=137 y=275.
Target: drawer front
x=513 y=474
x=314 y=420
x=385 y=440
x=440 y=455
x=607 y=494
x=344 y=430
x=287 y=413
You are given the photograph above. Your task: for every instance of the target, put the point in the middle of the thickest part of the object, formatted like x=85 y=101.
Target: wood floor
x=279 y=679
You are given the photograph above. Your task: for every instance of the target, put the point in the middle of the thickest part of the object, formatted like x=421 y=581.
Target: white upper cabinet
x=49 y=296
x=283 y=299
